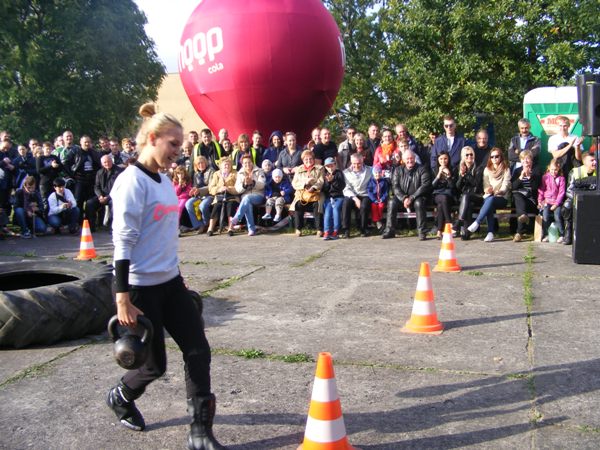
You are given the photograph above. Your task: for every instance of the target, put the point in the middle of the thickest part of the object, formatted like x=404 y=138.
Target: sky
x=166 y=19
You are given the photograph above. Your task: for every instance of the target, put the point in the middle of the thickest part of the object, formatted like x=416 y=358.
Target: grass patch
x=251 y=353
x=309 y=259
x=475 y=273
x=294 y=358
x=588 y=429
x=517 y=376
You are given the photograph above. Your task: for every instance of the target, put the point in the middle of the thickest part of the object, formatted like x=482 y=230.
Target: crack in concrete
x=229 y=282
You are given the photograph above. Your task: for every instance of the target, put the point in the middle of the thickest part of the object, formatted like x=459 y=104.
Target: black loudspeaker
x=588 y=101
x=586 y=228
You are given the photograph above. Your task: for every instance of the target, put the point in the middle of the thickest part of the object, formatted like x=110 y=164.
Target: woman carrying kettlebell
x=148 y=281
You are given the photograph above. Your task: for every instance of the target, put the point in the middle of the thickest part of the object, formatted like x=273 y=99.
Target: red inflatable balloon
x=261 y=64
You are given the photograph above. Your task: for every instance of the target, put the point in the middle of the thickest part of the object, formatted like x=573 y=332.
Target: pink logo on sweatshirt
x=162 y=210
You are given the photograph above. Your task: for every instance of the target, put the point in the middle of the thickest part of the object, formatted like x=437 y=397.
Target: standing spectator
x=81 y=164
x=565 y=147
x=103 y=184
x=28 y=209
x=67 y=149
x=356 y=196
x=315 y=135
x=49 y=168
x=482 y=148
x=496 y=191
x=360 y=143
x=62 y=208
x=373 y=140
x=275 y=147
x=127 y=150
x=185 y=160
x=209 y=148
x=117 y=156
x=223 y=134
x=6 y=175
x=326 y=148
x=411 y=186
x=24 y=165
x=243 y=150
x=524 y=141
x=450 y=142
x=257 y=148
x=346 y=148
x=11 y=148
x=333 y=191
x=291 y=157
x=104 y=145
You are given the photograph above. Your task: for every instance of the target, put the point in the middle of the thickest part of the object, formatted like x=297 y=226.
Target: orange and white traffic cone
x=86 y=247
x=325 y=428
x=447 y=259
x=423 y=319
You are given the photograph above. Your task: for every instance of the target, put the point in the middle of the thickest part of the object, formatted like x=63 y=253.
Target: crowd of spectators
x=221 y=184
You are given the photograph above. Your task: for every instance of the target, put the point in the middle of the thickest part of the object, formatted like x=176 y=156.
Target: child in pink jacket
x=551 y=194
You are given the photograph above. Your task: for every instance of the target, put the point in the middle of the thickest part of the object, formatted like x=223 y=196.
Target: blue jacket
x=384 y=187
x=441 y=144
x=284 y=186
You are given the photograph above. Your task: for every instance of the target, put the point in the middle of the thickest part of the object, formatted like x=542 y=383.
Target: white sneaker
x=277 y=218
x=489 y=237
x=473 y=227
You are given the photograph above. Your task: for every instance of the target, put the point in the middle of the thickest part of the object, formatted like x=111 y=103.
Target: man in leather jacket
x=411 y=184
x=81 y=164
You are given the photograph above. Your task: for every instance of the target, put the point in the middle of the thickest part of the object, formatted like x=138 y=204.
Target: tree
x=469 y=58
x=84 y=65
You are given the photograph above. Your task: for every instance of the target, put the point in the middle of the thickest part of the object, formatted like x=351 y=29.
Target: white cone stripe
x=325 y=431
x=447 y=254
x=86 y=232
x=424 y=284
x=324 y=390
x=423 y=308
x=86 y=245
x=447 y=238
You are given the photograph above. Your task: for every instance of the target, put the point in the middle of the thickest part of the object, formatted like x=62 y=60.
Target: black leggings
x=443 y=203
x=300 y=208
x=169 y=306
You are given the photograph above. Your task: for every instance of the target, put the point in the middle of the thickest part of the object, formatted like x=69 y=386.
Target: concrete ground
x=516 y=367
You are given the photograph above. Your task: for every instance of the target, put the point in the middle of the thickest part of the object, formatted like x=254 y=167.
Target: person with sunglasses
x=469 y=186
x=496 y=191
x=450 y=141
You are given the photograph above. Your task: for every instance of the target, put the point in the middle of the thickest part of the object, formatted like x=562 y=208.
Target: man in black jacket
x=81 y=164
x=105 y=178
x=411 y=184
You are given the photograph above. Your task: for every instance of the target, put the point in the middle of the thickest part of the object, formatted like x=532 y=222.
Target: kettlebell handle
x=113 y=331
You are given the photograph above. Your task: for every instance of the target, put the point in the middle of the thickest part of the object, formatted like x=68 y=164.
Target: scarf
x=387 y=150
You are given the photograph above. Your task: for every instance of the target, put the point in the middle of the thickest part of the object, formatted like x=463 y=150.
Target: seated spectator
x=291 y=157
x=186 y=157
x=48 y=167
x=278 y=193
x=377 y=189
x=551 y=195
x=101 y=201
x=267 y=168
x=443 y=191
x=411 y=185
x=525 y=185
x=356 y=196
x=346 y=149
x=275 y=147
x=496 y=191
x=198 y=206
x=250 y=183
x=63 y=209
x=182 y=184
x=28 y=209
x=128 y=150
x=387 y=155
x=580 y=178
x=333 y=192
x=469 y=186
x=225 y=195
x=307 y=182
x=226 y=150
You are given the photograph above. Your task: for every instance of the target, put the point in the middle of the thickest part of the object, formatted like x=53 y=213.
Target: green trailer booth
x=542 y=105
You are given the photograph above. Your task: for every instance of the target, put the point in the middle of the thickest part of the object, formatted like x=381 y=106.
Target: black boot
x=568 y=238
x=202 y=410
x=121 y=400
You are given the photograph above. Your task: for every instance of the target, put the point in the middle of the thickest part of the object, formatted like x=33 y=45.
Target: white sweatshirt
x=145 y=226
x=55 y=205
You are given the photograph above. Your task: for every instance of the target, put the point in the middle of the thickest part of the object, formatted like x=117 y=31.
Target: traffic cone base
x=325 y=428
x=86 y=246
x=423 y=319
x=447 y=259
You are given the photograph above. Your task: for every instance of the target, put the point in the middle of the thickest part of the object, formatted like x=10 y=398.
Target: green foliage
x=414 y=60
x=84 y=65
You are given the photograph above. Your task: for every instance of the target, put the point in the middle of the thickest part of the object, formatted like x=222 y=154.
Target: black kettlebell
x=130 y=350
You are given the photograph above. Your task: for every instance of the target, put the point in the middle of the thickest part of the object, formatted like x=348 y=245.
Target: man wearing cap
x=356 y=196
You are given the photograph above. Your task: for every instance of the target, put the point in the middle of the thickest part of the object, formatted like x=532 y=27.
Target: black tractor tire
x=50 y=313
